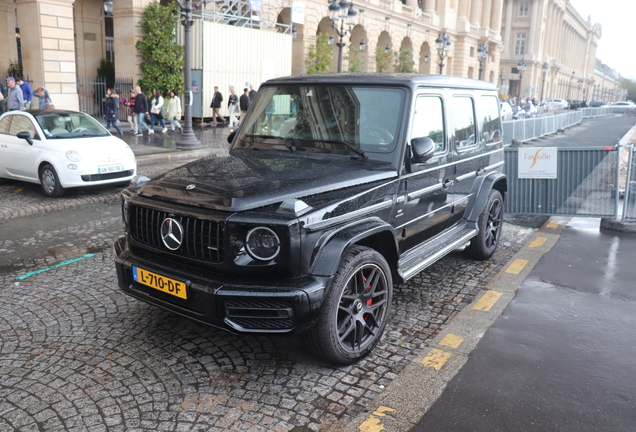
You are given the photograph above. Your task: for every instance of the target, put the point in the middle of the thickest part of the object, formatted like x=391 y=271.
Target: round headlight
x=262 y=244
x=73 y=156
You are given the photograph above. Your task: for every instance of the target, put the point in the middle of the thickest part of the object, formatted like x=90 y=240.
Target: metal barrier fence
x=91 y=94
x=629 y=203
x=585 y=184
x=531 y=128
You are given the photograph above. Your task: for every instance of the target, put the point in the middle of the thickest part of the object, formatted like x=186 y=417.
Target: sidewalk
x=157 y=147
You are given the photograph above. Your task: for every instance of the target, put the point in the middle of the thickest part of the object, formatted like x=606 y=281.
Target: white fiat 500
x=61 y=149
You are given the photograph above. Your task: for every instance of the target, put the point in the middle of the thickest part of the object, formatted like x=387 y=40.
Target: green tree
x=382 y=59
x=15 y=69
x=355 y=59
x=630 y=85
x=404 y=61
x=106 y=70
x=162 y=58
x=320 y=55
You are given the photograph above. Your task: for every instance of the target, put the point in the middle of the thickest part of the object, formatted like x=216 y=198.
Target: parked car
x=557 y=104
x=597 y=104
x=324 y=202
x=623 y=104
x=506 y=111
x=61 y=149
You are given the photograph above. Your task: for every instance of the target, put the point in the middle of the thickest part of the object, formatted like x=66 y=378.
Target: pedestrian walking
x=141 y=110
x=156 y=112
x=27 y=92
x=244 y=103
x=112 y=110
x=44 y=98
x=131 y=117
x=15 y=100
x=252 y=94
x=217 y=98
x=232 y=104
x=173 y=113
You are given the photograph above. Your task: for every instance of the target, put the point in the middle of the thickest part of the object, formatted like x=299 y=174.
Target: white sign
x=538 y=163
x=298 y=13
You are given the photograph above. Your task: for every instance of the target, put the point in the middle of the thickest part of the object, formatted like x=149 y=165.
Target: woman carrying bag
x=156 y=112
x=173 y=113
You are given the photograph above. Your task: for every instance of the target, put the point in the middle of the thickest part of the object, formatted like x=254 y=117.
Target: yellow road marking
x=487 y=301
x=373 y=424
x=17 y=191
x=451 y=340
x=552 y=224
x=436 y=359
x=517 y=266
x=538 y=242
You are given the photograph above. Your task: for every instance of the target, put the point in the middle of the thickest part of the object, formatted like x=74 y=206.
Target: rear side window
x=4 y=125
x=463 y=122
x=428 y=120
x=21 y=124
x=490 y=123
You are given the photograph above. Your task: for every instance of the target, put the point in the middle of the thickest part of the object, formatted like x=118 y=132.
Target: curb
x=616 y=225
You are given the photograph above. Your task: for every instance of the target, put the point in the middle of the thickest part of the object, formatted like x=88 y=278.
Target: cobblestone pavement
x=77 y=355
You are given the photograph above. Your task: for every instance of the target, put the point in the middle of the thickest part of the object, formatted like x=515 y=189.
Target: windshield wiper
x=287 y=142
x=350 y=146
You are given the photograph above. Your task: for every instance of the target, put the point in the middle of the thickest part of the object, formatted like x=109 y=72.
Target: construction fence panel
x=629 y=209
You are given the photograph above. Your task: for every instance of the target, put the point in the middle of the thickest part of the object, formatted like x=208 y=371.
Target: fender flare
x=481 y=191
x=332 y=245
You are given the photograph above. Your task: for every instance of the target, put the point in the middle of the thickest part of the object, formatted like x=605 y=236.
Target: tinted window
x=490 y=124
x=463 y=121
x=428 y=120
x=21 y=123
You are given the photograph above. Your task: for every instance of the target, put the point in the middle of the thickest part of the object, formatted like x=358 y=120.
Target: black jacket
x=217 y=98
x=244 y=102
x=141 y=103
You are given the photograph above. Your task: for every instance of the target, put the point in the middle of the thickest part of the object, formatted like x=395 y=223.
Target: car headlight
x=73 y=156
x=262 y=244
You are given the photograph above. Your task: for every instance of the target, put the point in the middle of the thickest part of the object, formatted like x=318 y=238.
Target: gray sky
x=617 y=18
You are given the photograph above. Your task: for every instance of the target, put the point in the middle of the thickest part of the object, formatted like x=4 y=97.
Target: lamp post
x=570 y=86
x=443 y=44
x=482 y=55
x=521 y=66
x=545 y=69
x=187 y=139
x=340 y=14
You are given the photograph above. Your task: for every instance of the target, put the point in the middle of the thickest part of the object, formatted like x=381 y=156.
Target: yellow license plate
x=162 y=283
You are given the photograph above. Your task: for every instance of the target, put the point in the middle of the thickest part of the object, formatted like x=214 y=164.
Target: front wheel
x=50 y=182
x=356 y=308
x=490 y=222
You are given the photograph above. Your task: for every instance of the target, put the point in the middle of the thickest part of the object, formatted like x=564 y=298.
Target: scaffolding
x=254 y=14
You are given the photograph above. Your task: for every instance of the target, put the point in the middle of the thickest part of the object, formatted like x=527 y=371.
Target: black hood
x=249 y=179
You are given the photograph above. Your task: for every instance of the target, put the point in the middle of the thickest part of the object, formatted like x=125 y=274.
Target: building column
x=534 y=22
x=429 y=6
x=495 y=16
x=126 y=17
x=49 y=60
x=475 y=13
x=507 y=30
x=485 y=13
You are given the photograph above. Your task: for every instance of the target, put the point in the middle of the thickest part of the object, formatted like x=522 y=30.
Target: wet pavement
x=561 y=356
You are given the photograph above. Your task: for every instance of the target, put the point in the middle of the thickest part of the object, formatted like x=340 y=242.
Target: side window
x=490 y=126
x=20 y=124
x=463 y=122
x=428 y=121
x=4 y=125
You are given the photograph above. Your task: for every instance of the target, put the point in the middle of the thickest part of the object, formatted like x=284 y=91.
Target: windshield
x=69 y=125
x=330 y=119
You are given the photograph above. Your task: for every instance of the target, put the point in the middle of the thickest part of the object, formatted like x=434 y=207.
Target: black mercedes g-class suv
x=335 y=187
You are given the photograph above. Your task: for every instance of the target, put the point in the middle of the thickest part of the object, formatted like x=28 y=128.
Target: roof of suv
x=411 y=80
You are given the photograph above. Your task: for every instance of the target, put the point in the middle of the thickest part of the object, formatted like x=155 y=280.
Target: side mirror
x=423 y=149
x=231 y=136
x=25 y=136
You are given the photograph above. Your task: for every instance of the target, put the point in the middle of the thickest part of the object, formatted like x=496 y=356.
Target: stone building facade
x=557 y=46
x=63 y=41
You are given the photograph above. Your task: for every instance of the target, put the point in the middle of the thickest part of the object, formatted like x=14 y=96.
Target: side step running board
x=422 y=256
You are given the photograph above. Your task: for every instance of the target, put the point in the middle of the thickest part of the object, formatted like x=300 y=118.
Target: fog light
x=262 y=244
x=72 y=167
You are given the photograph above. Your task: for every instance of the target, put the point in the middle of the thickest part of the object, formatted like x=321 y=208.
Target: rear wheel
x=50 y=182
x=490 y=222
x=356 y=309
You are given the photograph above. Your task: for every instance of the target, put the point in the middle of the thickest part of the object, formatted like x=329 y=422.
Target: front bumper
x=254 y=305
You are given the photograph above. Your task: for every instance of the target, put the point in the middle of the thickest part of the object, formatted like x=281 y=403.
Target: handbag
x=49 y=106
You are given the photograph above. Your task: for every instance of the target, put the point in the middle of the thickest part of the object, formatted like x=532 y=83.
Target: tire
x=50 y=182
x=356 y=308
x=490 y=222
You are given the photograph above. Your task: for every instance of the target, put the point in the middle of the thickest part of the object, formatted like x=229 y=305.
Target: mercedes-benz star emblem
x=171 y=233
x=190 y=186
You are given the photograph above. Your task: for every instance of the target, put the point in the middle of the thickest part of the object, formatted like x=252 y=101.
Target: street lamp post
x=187 y=139
x=545 y=69
x=570 y=86
x=482 y=54
x=443 y=44
x=521 y=66
x=340 y=14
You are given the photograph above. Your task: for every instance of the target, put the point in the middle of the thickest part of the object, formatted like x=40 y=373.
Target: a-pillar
x=48 y=32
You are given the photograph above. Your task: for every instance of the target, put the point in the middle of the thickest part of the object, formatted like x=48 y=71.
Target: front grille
x=109 y=176
x=261 y=314
x=202 y=240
